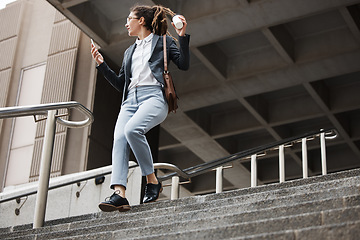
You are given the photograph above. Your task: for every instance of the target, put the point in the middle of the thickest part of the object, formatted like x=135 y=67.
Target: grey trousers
x=143 y=109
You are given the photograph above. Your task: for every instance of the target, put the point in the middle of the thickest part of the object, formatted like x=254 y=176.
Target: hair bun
x=155 y=17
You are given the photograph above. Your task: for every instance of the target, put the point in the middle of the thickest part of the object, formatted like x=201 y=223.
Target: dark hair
x=155 y=17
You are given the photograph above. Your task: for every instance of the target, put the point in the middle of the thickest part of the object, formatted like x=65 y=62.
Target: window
x=24 y=128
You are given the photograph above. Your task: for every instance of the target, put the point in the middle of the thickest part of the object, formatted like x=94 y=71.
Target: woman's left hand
x=181 y=32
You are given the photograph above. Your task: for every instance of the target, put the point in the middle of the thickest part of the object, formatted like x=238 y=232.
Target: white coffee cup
x=177 y=22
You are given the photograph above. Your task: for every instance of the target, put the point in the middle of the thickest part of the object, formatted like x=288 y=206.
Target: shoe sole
x=161 y=189
x=111 y=208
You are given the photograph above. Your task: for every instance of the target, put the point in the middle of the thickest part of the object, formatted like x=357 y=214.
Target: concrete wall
x=63 y=202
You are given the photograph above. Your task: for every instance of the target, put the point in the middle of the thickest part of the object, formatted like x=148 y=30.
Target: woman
x=143 y=104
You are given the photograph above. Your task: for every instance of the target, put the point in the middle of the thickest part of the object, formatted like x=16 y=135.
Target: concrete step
x=242 y=195
x=231 y=226
x=205 y=210
x=283 y=206
x=190 y=200
x=336 y=190
x=232 y=229
x=59 y=227
x=304 y=192
x=334 y=231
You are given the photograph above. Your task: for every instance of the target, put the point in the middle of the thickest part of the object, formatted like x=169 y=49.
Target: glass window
x=24 y=128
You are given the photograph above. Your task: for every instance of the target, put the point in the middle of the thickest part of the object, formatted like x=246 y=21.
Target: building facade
x=261 y=71
x=45 y=59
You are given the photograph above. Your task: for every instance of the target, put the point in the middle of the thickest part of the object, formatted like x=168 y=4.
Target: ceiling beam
x=291 y=75
x=181 y=127
x=282 y=41
x=258 y=15
x=208 y=58
x=324 y=106
x=351 y=16
x=264 y=122
x=281 y=34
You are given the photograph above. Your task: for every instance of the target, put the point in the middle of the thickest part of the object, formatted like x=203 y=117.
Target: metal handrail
x=167 y=166
x=171 y=167
x=208 y=166
x=191 y=171
x=42 y=109
x=204 y=167
x=50 y=110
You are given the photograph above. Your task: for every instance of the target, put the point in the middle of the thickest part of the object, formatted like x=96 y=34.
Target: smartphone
x=92 y=42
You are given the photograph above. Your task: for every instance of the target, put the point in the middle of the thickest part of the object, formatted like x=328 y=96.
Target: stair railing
x=253 y=153
x=220 y=164
x=50 y=111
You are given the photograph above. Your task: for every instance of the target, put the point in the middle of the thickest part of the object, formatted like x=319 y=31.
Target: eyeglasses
x=130 y=17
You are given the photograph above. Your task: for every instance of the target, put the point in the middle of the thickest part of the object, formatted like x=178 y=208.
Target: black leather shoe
x=152 y=192
x=115 y=202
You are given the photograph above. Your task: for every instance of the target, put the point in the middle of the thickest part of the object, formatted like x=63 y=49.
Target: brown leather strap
x=165 y=55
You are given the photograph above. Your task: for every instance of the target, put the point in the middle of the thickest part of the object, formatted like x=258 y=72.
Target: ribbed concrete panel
x=58 y=153
x=58 y=77
x=65 y=35
x=59 y=147
x=40 y=128
x=35 y=166
x=59 y=17
x=8 y=49
x=4 y=85
x=58 y=86
x=10 y=18
x=58 y=82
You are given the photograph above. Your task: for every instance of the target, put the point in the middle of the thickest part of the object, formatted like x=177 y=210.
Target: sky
x=4 y=2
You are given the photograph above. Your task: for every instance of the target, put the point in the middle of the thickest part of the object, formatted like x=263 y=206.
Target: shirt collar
x=145 y=40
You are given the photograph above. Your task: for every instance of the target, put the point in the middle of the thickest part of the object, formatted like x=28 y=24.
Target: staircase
x=321 y=207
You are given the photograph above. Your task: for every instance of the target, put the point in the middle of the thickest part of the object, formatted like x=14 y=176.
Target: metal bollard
x=281 y=164
x=175 y=187
x=219 y=179
x=323 y=153
x=304 y=158
x=253 y=171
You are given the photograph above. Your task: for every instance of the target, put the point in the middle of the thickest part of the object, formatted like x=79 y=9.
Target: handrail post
x=281 y=164
x=304 y=158
x=323 y=153
x=253 y=171
x=45 y=167
x=175 y=187
x=219 y=179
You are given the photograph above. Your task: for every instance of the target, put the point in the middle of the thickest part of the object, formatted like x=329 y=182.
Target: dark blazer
x=180 y=56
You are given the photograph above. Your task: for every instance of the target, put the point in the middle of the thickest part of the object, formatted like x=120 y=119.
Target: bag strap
x=165 y=55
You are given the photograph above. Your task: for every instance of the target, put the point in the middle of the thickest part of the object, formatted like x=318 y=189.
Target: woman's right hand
x=96 y=55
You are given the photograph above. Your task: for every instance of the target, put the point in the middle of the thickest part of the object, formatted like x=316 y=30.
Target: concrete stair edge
x=216 y=230
x=273 y=189
x=263 y=188
x=262 y=224
x=73 y=232
x=268 y=201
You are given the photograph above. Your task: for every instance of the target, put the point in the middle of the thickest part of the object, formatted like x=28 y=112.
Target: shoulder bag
x=169 y=88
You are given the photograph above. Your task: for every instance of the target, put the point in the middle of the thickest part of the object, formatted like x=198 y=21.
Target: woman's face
x=133 y=24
